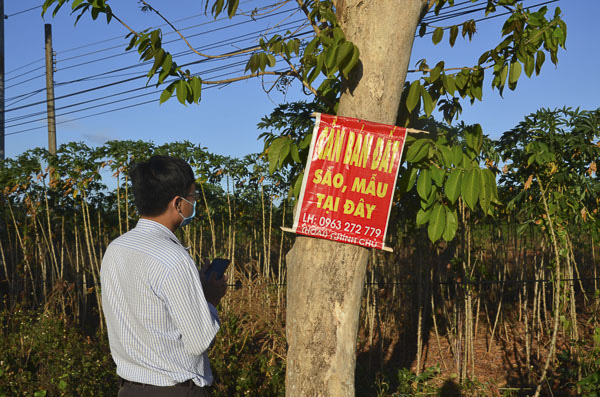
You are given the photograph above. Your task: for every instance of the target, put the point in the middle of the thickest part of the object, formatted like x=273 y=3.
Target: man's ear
x=175 y=202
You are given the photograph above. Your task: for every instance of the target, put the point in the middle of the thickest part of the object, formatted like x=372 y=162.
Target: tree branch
x=449 y=69
x=246 y=77
x=305 y=9
x=188 y=43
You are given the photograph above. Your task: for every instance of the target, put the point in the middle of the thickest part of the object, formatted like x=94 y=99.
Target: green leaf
x=168 y=62
x=270 y=60
x=196 y=87
x=232 y=7
x=62 y=385
x=457 y=155
x=436 y=71
x=298 y=184
x=285 y=150
x=470 y=187
x=453 y=35
x=490 y=179
x=330 y=60
x=413 y=95
x=352 y=62
x=418 y=150
x=294 y=152
x=451 y=224
x=529 y=65
x=452 y=186
x=274 y=152
x=515 y=72
x=446 y=155
x=433 y=197
x=437 y=222
x=474 y=137
x=423 y=216
x=182 y=91
x=427 y=101
x=539 y=61
x=424 y=184
x=167 y=92
x=485 y=192
x=437 y=175
x=438 y=33
x=503 y=75
x=407 y=180
x=343 y=54
x=449 y=83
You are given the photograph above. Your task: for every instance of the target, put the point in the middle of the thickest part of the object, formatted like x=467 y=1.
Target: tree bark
x=325 y=278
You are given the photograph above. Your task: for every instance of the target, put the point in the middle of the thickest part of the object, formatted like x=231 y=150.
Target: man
x=161 y=316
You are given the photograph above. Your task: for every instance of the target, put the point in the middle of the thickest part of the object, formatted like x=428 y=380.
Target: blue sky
x=225 y=121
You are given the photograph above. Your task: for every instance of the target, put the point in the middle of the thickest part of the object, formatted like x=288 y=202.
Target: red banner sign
x=349 y=181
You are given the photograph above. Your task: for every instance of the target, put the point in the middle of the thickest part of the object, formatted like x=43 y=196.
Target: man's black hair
x=155 y=182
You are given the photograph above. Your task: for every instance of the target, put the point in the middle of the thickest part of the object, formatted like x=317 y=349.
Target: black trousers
x=186 y=389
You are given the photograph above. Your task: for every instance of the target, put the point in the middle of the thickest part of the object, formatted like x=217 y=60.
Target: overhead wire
x=154 y=92
x=103 y=112
x=152 y=27
x=498 y=15
x=230 y=41
x=167 y=42
x=21 y=12
x=231 y=65
x=105 y=85
x=117 y=46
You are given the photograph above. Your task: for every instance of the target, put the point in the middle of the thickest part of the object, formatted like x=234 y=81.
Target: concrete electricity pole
x=50 y=90
x=2 y=150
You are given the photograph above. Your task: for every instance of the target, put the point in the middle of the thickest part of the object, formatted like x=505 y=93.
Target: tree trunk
x=325 y=278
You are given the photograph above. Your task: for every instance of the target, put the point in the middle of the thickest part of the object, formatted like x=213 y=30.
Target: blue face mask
x=187 y=220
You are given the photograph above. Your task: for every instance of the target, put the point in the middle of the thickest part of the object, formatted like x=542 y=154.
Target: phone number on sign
x=349 y=227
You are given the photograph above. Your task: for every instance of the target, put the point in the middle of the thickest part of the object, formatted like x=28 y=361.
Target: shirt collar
x=158 y=228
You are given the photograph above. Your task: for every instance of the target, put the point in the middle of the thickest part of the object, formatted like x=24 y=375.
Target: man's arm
x=189 y=308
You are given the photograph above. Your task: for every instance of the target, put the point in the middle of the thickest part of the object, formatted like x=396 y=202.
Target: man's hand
x=214 y=289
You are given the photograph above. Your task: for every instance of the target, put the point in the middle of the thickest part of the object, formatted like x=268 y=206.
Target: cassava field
x=510 y=303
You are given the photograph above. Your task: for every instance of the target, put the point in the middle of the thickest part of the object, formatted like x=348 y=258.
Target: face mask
x=187 y=220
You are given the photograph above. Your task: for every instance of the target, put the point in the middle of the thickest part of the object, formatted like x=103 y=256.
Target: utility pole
x=50 y=89
x=2 y=150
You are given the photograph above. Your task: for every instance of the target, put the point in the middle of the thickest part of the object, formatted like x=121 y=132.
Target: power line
x=231 y=41
x=235 y=64
x=25 y=73
x=152 y=27
x=26 y=81
x=498 y=15
x=126 y=80
x=166 y=42
x=120 y=46
x=25 y=96
x=21 y=12
x=111 y=84
x=101 y=113
x=27 y=64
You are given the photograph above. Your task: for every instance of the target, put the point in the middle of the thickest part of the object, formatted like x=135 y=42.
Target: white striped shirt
x=159 y=324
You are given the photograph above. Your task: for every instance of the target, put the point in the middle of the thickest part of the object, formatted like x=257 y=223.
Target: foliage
x=444 y=172
x=241 y=363
x=528 y=36
x=554 y=152
x=44 y=354
x=327 y=54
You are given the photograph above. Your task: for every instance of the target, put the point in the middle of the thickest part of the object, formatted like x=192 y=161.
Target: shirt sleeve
x=195 y=318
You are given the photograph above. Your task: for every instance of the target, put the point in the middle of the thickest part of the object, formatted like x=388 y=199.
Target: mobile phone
x=219 y=265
